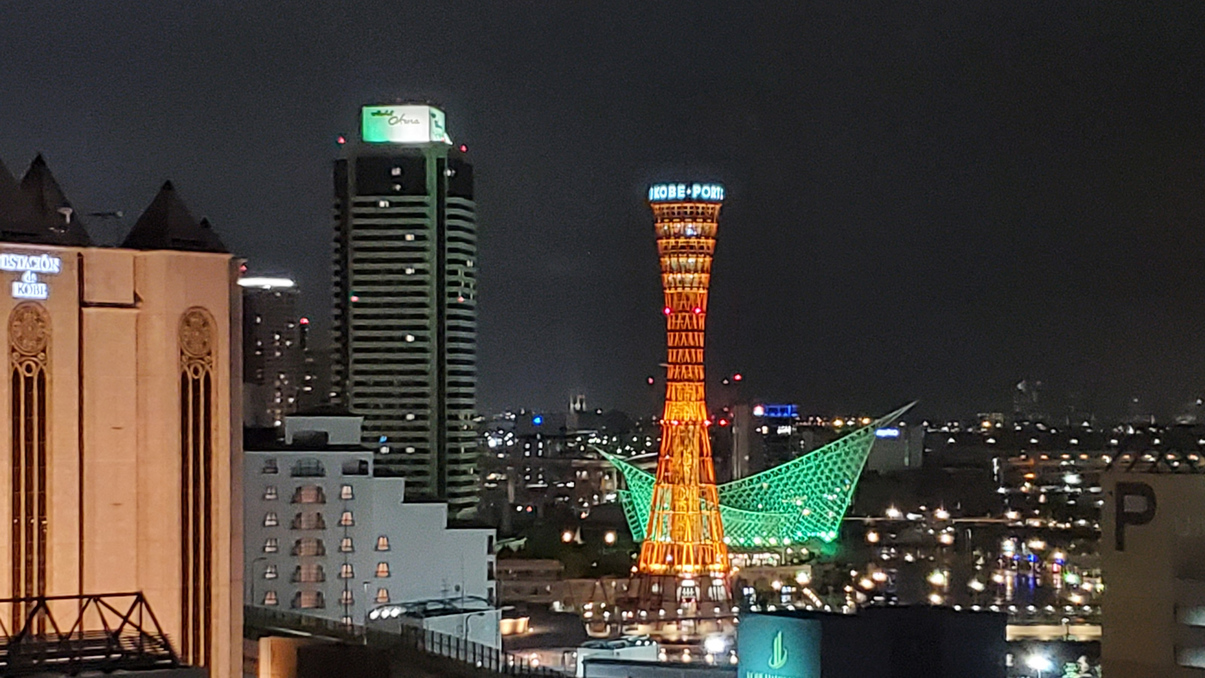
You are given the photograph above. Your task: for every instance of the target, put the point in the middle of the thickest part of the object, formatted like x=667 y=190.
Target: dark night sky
x=926 y=200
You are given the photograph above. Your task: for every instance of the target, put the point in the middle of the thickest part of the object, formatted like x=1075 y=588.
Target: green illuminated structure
x=788 y=504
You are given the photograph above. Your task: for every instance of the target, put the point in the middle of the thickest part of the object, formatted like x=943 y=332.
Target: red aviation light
x=698 y=310
x=737 y=377
x=723 y=422
x=667 y=310
x=304 y=321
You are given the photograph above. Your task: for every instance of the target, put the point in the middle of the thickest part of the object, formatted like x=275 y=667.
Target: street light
x=1039 y=663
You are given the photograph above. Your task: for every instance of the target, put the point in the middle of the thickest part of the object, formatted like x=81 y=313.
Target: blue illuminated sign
x=686 y=192
x=778 y=647
x=537 y=420
x=887 y=433
x=780 y=411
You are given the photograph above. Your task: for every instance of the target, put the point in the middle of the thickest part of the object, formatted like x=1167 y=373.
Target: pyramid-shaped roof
x=168 y=225
x=18 y=219
x=52 y=206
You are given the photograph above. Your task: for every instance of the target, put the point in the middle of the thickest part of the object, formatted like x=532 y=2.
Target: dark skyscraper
x=272 y=351
x=404 y=349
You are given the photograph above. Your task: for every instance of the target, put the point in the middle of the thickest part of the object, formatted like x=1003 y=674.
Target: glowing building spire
x=684 y=536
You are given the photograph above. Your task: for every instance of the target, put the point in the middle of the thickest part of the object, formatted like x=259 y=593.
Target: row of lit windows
x=309 y=494
x=315 y=599
x=313 y=573
x=315 y=547
x=309 y=521
x=314 y=468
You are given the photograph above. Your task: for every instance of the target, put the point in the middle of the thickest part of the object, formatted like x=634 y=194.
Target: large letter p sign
x=1135 y=506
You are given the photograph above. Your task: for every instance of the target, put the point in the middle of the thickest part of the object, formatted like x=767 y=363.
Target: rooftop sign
x=686 y=193
x=403 y=124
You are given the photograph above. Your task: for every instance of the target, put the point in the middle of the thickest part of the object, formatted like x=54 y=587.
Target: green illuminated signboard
x=778 y=647
x=403 y=124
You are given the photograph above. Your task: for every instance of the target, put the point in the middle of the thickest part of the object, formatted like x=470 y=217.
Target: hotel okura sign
x=778 y=647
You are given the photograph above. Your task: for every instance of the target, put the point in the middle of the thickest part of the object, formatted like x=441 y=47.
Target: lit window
x=308 y=600
x=382 y=203
x=270 y=493
x=409 y=236
x=382 y=570
x=270 y=572
x=382 y=543
x=270 y=520
x=346 y=598
x=345 y=545
x=346 y=492
x=309 y=546
x=271 y=545
x=309 y=521
x=382 y=595
x=309 y=573
x=270 y=466
x=346 y=620
x=346 y=571
x=309 y=494
x=270 y=598
x=396 y=171
x=346 y=520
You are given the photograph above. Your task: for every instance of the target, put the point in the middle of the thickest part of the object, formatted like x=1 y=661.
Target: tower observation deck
x=684 y=536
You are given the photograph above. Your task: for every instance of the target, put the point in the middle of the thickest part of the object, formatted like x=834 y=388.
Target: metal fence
x=406 y=637
x=84 y=633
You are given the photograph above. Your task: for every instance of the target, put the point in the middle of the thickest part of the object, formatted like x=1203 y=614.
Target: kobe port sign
x=29 y=266
x=686 y=192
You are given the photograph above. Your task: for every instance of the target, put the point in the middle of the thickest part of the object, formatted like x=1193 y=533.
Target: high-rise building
x=404 y=321
x=272 y=350
x=1152 y=549
x=119 y=471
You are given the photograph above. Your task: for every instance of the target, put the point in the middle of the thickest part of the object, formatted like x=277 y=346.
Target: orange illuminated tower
x=684 y=538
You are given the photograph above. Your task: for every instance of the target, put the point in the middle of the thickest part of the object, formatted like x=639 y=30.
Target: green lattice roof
x=791 y=503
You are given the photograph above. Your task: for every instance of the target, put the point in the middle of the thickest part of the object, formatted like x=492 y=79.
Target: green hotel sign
x=403 y=124
x=778 y=647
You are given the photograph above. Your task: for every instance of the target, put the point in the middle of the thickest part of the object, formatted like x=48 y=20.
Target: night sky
x=925 y=200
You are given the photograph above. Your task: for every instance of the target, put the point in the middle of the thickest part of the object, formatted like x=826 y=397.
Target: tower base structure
x=670 y=609
x=675 y=597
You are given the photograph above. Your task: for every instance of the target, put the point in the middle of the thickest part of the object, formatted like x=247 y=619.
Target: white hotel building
x=326 y=537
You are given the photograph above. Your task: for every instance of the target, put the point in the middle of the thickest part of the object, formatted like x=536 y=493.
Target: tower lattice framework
x=685 y=537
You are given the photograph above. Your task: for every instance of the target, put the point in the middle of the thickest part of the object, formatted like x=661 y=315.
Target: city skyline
x=929 y=206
